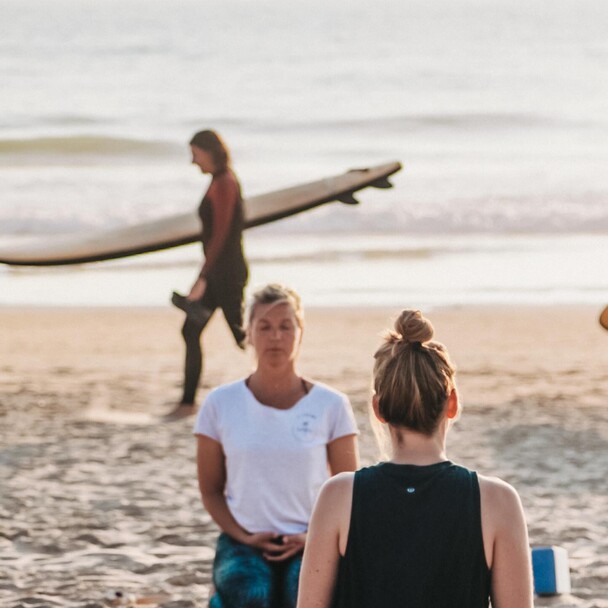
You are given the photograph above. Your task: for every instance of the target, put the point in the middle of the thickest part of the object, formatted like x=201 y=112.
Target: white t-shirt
x=276 y=460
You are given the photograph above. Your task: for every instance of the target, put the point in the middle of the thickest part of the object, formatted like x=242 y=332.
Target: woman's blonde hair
x=276 y=293
x=413 y=376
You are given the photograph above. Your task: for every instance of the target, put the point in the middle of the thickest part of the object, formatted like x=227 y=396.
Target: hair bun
x=413 y=327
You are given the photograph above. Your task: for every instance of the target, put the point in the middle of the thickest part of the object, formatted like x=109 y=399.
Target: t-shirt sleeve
x=344 y=422
x=207 y=422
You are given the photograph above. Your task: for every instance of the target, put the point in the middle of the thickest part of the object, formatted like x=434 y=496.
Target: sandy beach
x=98 y=493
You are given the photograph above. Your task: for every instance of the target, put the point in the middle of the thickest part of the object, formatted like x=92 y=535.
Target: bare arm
x=506 y=542
x=211 y=482
x=343 y=454
x=326 y=540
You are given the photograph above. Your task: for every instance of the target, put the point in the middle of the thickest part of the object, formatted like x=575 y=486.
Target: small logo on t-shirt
x=303 y=428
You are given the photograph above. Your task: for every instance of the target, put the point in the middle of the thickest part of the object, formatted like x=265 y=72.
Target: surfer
x=417 y=529
x=265 y=446
x=222 y=279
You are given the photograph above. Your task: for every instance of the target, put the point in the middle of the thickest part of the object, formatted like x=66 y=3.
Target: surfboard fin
x=348 y=199
x=382 y=183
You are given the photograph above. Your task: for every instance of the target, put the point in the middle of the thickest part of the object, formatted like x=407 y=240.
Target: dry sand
x=97 y=493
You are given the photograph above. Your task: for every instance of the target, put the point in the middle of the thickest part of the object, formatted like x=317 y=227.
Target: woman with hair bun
x=417 y=530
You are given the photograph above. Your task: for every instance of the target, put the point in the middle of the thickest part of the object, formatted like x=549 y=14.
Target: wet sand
x=98 y=493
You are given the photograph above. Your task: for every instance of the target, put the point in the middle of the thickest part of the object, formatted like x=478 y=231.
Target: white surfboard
x=185 y=228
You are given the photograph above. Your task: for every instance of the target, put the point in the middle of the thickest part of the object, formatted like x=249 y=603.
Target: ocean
x=496 y=109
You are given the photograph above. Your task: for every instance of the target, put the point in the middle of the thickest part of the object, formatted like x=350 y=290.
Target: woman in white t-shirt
x=266 y=444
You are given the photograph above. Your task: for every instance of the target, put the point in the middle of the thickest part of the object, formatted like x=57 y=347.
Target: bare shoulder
x=223 y=186
x=499 y=499
x=496 y=489
x=335 y=496
x=338 y=486
x=225 y=181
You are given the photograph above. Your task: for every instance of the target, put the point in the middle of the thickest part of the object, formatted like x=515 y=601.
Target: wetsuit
x=226 y=280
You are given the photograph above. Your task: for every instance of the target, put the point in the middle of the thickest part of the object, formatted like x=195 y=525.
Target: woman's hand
x=198 y=290
x=264 y=541
x=276 y=547
x=292 y=545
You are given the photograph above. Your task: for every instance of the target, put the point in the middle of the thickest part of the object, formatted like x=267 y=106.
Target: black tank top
x=415 y=540
x=231 y=263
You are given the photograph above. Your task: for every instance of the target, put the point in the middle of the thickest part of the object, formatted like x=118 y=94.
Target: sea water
x=496 y=108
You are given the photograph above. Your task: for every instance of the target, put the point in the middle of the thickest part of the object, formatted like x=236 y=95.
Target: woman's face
x=275 y=334
x=202 y=159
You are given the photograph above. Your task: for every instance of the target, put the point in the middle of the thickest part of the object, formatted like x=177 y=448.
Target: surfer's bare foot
x=181 y=410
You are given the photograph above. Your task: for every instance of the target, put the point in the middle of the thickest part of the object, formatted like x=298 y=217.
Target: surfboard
x=182 y=229
x=604 y=318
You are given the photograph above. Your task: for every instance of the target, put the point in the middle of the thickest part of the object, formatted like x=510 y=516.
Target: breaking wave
x=85 y=145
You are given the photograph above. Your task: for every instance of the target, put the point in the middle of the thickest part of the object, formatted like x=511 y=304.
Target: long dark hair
x=211 y=142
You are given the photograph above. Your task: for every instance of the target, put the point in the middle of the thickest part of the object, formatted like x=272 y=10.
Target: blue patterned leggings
x=244 y=579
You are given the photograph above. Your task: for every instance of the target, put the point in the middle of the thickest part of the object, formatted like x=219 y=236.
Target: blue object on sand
x=551 y=571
